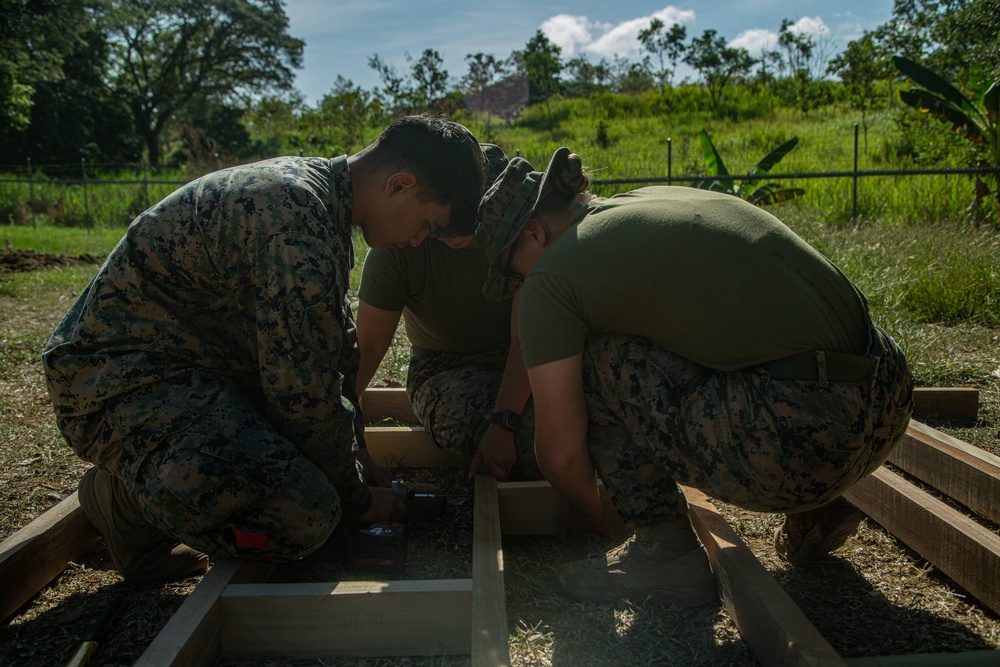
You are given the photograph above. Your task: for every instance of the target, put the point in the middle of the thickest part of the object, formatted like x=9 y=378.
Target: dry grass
x=875 y=597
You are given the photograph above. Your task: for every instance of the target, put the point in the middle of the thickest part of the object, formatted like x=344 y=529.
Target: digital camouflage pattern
x=453 y=396
x=220 y=325
x=657 y=419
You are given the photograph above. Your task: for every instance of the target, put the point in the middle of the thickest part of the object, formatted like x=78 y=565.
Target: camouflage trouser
x=205 y=466
x=657 y=419
x=453 y=396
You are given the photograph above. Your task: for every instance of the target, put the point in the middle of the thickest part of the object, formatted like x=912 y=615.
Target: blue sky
x=341 y=35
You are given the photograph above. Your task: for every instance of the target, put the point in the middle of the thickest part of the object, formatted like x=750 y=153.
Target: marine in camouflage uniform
x=209 y=367
x=459 y=339
x=675 y=335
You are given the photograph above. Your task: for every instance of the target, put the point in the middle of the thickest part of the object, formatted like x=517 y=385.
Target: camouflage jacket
x=242 y=274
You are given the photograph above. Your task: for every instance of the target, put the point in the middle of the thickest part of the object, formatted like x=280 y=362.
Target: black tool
x=377 y=549
x=95 y=636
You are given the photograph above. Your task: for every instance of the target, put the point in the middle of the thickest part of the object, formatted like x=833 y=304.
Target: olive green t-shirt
x=702 y=274
x=440 y=291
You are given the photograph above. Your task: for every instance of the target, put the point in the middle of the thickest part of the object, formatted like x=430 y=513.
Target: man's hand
x=387 y=505
x=375 y=475
x=497 y=451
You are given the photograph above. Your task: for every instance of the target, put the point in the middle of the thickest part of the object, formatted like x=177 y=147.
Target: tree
x=861 y=65
x=347 y=109
x=90 y=123
x=798 y=49
x=769 y=193
x=166 y=53
x=494 y=87
x=431 y=79
x=976 y=120
x=35 y=38
x=666 y=45
x=586 y=77
x=717 y=62
x=541 y=63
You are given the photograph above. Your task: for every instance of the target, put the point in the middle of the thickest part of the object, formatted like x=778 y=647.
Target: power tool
x=377 y=549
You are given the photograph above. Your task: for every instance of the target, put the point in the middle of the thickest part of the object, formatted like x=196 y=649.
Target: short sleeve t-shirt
x=440 y=291
x=702 y=274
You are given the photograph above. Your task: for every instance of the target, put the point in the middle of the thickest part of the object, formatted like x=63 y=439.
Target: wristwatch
x=507 y=419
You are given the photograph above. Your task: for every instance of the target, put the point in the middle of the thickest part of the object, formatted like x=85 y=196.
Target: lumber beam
x=346 y=618
x=39 y=552
x=490 y=642
x=962 y=472
x=959 y=547
x=409 y=447
x=387 y=403
x=533 y=508
x=193 y=635
x=983 y=658
x=770 y=622
x=946 y=402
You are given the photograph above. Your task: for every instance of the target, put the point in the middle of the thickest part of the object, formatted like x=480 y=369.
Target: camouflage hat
x=495 y=162
x=504 y=211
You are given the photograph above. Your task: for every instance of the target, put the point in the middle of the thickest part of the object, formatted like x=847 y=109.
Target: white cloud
x=755 y=41
x=578 y=34
x=811 y=26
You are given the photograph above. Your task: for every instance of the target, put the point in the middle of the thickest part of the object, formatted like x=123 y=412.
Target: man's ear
x=399 y=182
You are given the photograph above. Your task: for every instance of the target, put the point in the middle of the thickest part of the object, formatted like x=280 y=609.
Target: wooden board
x=39 y=552
x=958 y=546
x=770 y=622
x=946 y=402
x=387 y=403
x=533 y=508
x=961 y=474
x=409 y=447
x=193 y=635
x=347 y=618
x=490 y=643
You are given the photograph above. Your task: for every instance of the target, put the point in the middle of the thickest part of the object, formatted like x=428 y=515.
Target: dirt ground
x=874 y=597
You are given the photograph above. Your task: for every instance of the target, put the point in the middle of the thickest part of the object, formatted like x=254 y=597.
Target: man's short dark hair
x=444 y=156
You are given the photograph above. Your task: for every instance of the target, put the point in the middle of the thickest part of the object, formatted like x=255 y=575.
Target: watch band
x=507 y=419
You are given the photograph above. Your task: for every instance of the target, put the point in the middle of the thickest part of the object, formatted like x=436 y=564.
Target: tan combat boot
x=806 y=536
x=139 y=551
x=664 y=560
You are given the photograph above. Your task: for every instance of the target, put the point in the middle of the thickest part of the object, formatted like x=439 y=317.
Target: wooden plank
x=958 y=546
x=956 y=472
x=533 y=508
x=965 y=659
x=971 y=450
x=769 y=621
x=347 y=618
x=387 y=403
x=490 y=643
x=946 y=402
x=409 y=447
x=39 y=552
x=193 y=635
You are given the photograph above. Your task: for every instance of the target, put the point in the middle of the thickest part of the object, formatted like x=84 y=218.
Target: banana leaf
x=934 y=83
x=926 y=102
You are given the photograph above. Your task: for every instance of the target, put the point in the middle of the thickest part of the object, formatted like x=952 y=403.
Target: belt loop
x=824 y=381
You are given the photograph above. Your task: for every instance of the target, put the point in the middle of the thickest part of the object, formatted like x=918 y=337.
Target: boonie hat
x=504 y=211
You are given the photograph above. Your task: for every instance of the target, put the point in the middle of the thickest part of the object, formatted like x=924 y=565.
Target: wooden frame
x=233 y=613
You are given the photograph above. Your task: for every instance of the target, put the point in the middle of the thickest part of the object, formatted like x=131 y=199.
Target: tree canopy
x=165 y=53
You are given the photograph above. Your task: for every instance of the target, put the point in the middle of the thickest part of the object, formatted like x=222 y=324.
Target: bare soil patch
x=16 y=261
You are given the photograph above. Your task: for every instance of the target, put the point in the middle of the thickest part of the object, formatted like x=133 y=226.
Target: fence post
x=86 y=199
x=854 y=205
x=31 y=192
x=670 y=160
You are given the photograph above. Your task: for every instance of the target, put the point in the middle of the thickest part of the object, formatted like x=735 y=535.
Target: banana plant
x=762 y=195
x=977 y=122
